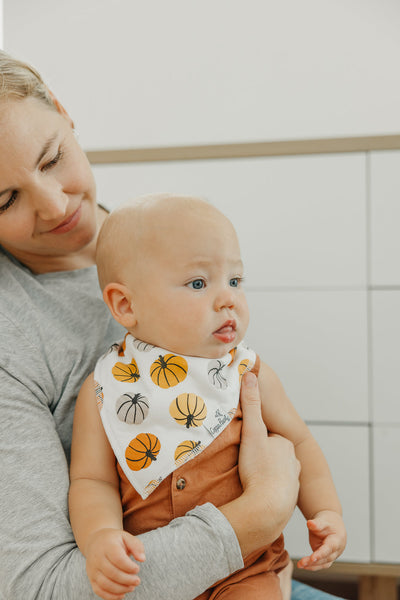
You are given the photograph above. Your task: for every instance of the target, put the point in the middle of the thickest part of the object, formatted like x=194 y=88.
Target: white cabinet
x=301 y=220
x=385 y=218
x=386 y=355
x=386 y=453
x=347 y=451
x=317 y=343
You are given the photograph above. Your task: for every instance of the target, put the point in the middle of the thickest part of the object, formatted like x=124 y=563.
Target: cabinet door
x=386 y=356
x=346 y=449
x=386 y=530
x=300 y=220
x=385 y=218
x=317 y=344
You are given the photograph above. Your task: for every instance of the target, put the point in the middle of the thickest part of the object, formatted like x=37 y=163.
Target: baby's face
x=187 y=290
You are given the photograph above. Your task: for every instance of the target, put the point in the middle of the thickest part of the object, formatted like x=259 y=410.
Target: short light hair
x=20 y=80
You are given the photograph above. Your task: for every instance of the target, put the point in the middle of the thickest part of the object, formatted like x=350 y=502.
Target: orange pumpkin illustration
x=126 y=372
x=243 y=367
x=141 y=451
x=233 y=354
x=188 y=410
x=185 y=449
x=168 y=370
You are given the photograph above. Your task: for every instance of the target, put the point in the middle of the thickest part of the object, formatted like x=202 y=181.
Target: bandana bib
x=160 y=410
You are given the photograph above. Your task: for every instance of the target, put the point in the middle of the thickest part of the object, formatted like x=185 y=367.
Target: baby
x=168 y=397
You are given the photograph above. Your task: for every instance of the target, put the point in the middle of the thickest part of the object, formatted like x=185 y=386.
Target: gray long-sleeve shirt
x=52 y=329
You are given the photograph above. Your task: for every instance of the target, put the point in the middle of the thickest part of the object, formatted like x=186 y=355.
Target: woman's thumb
x=251 y=404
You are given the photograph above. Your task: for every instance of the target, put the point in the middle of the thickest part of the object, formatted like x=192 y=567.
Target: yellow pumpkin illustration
x=168 y=370
x=141 y=451
x=126 y=372
x=152 y=485
x=243 y=367
x=185 y=449
x=188 y=410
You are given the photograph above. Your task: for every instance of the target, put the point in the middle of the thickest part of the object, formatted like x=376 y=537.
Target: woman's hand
x=266 y=463
x=269 y=472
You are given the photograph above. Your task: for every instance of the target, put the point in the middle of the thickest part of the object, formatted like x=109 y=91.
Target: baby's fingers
x=108 y=589
x=114 y=573
x=322 y=558
x=134 y=547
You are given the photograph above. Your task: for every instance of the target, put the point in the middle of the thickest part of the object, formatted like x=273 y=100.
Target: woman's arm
x=39 y=559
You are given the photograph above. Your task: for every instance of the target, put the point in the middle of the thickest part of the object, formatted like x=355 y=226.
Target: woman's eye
x=9 y=202
x=197 y=284
x=54 y=161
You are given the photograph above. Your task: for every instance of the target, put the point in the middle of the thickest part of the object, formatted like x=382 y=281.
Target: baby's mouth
x=227 y=332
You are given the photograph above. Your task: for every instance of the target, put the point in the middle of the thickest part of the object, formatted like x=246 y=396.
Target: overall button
x=180 y=483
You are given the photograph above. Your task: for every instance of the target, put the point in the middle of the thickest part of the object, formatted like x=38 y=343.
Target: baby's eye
x=197 y=284
x=235 y=281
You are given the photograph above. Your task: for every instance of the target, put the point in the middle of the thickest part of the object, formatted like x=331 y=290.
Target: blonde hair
x=20 y=80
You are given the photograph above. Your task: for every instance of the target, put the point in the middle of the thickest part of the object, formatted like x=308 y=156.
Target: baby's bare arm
x=317 y=499
x=94 y=500
x=95 y=505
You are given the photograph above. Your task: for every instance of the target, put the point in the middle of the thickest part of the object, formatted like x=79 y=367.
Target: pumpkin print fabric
x=188 y=410
x=141 y=451
x=168 y=370
x=160 y=410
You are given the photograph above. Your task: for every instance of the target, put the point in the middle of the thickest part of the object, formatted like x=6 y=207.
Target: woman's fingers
x=267 y=464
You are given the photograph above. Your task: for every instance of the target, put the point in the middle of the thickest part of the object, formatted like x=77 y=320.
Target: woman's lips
x=68 y=224
x=227 y=332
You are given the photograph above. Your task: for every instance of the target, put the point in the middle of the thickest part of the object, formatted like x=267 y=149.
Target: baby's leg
x=263 y=586
x=285 y=577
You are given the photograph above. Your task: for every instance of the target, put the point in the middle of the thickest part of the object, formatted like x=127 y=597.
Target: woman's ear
x=119 y=300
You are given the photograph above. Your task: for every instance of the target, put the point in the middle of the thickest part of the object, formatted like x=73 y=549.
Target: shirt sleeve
x=38 y=555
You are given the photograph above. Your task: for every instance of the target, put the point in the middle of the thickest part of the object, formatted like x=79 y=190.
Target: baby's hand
x=327 y=535
x=110 y=568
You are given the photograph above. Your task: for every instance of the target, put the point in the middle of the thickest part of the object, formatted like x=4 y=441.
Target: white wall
x=1 y=23
x=136 y=73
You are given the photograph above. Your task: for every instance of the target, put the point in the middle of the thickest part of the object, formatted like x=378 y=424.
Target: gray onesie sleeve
x=38 y=555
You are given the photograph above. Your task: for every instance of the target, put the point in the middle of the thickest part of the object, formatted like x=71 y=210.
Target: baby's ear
x=119 y=300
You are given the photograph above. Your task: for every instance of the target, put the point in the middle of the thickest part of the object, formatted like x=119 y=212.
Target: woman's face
x=47 y=190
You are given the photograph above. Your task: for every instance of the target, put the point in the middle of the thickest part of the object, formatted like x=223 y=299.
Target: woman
x=53 y=326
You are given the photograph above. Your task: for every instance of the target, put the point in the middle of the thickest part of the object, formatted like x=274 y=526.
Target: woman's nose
x=50 y=202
